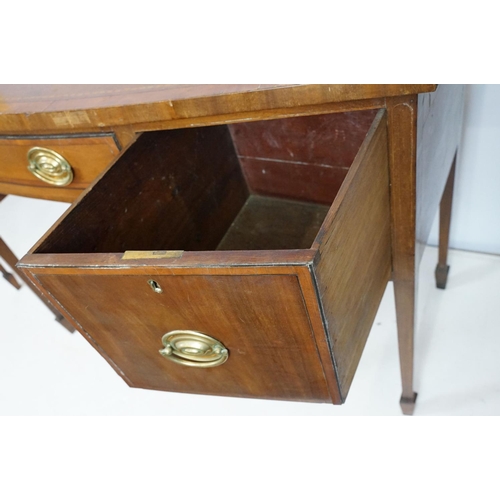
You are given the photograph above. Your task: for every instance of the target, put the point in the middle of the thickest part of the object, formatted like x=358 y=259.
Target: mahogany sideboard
x=234 y=239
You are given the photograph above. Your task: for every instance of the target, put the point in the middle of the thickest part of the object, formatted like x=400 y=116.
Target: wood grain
x=47 y=98
x=202 y=262
x=402 y=124
x=348 y=232
x=353 y=264
x=305 y=158
x=87 y=155
x=91 y=107
x=266 y=223
x=422 y=140
x=172 y=190
x=423 y=136
x=193 y=176
x=261 y=320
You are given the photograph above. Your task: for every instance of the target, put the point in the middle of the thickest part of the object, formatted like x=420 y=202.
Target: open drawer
x=241 y=260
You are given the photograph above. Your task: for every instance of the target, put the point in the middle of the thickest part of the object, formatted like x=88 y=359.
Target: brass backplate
x=191 y=348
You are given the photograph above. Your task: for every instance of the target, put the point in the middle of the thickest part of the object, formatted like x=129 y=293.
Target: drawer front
x=260 y=319
x=139 y=256
x=87 y=157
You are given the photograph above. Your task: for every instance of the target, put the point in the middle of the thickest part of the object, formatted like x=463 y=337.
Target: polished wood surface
x=87 y=155
x=353 y=263
x=423 y=136
x=172 y=190
x=402 y=123
x=423 y=132
x=261 y=320
x=183 y=189
x=351 y=246
x=48 y=98
x=90 y=107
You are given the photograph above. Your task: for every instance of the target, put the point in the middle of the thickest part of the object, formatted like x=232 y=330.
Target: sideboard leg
x=442 y=267
x=9 y=257
x=402 y=122
x=9 y=277
x=404 y=294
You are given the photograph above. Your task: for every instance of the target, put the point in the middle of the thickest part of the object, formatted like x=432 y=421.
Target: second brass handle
x=49 y=166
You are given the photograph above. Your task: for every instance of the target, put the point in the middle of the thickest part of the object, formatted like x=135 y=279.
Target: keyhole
x=155 y=286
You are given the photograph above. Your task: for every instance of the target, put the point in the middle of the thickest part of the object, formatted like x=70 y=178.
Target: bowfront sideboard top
x=247 y=229
x=72 y=108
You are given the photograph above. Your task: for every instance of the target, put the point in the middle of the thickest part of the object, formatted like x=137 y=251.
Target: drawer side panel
x=354 y=260
x=171 y=190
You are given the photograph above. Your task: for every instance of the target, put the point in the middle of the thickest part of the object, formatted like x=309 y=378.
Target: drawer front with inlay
x=187 y=278
x=53 y=167
x=261 y=321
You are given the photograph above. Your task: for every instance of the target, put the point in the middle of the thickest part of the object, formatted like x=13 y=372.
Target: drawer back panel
x=303 y=158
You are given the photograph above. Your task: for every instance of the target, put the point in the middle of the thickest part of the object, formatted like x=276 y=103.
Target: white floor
x=44 y=370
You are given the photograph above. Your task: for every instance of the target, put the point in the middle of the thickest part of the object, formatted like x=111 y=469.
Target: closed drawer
x=60 y=168
x=244 y=260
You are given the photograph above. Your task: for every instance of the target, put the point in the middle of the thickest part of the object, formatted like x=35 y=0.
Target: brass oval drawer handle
x=49 y=166
x=191 y=348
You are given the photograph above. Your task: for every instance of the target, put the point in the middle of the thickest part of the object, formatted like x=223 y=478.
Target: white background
x=476 y=202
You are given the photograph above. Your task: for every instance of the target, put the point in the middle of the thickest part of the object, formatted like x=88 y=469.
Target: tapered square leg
x=402 y=162
x=445 y=207
x=404 y=293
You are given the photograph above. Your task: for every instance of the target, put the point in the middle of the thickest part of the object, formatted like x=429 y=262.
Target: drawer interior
x=264 y=185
